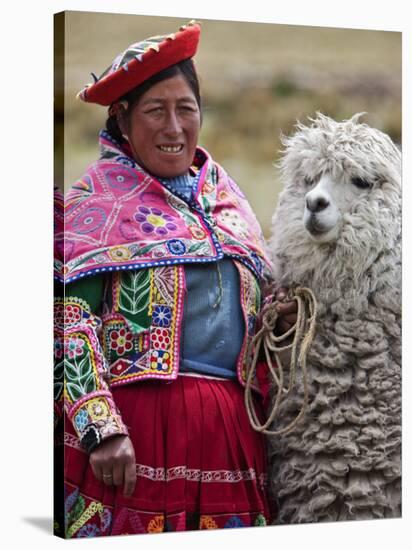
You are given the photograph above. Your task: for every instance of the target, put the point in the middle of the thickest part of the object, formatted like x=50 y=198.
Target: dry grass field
x=257 y=79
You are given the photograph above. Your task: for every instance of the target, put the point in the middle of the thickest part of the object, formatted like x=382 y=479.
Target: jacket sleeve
x=80 y=366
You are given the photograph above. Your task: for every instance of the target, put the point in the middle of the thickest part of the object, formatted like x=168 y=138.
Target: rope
x=304 y=330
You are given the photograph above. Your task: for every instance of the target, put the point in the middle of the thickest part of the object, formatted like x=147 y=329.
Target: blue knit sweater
x=213 y=328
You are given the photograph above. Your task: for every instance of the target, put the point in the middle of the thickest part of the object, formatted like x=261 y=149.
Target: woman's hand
x=287 y=311
x=113 y=462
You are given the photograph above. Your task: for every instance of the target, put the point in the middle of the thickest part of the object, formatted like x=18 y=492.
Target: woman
x=163 y=267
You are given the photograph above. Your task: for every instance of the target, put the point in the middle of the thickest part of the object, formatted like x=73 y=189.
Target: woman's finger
x=118 y=473
x=96 y=468
x=129 y=478
x=107 y=477
x=287 y=307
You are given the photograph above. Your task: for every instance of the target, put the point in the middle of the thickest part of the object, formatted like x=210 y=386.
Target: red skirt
x=199 y=463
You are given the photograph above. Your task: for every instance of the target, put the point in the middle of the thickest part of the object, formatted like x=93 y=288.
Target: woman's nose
x=173 y=125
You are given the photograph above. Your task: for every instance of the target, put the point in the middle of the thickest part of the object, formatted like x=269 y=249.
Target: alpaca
x=337 y=230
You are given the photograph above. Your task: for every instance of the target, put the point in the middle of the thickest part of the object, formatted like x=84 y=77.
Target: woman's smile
x=171 y=149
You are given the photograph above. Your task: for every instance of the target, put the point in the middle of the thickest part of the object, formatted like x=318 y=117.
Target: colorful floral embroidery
x=80 y=372
x=119 y=367
x=71 y=311
x=207 y=522
x=79 y=378
x=78 y=517
x=160 y=338
x=121 y=341
x=153 y=220
x=133 y=298
x=94 y=508
x=148 y=305
x=234 y=521
x=72 y=314
x=89 y=221
x=156 y=525
x=160 y=360
x=176 y=247
x=68 y=314
x=97 y=409
x=260 y=521
x=109 y=427
x=162 y=316
x=122 y=178
x=81 y=420
x=85 y=517
x=197 y=232
x=119 y=253
x=96 y=419
x=73 y=347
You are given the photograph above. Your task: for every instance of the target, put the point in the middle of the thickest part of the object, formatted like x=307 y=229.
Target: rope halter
x=304 y=332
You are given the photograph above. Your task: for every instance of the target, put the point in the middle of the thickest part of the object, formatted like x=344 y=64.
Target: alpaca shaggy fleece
x=343 y=460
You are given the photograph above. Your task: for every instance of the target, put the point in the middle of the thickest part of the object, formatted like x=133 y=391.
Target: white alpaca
x=337 y=230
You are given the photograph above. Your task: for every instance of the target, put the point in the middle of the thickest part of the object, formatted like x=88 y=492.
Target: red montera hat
x=139 y=62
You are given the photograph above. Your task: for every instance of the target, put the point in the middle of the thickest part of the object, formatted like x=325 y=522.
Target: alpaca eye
x=361 y=183
x=308 y=181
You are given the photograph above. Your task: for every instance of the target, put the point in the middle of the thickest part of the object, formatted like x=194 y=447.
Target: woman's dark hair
x=186 y=68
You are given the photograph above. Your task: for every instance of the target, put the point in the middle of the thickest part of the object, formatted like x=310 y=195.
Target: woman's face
x=163 y=128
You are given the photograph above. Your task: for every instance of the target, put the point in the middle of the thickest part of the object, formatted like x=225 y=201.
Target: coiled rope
x=304 y=332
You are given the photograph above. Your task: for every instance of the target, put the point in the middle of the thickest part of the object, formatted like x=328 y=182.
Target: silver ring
x=107 y=476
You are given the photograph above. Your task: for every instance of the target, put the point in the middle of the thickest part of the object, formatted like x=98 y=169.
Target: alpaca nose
x=316 y=204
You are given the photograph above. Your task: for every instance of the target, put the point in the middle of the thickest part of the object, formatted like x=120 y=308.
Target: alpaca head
x=329 y=196
x=341 y=194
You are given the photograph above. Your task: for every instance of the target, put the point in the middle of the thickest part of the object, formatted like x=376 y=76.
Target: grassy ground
x=257 y=79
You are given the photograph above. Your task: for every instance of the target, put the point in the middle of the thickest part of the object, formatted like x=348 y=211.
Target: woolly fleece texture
x=343 y=460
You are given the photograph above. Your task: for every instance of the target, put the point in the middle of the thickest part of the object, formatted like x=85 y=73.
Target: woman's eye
x=187 y=109
x=361 y=183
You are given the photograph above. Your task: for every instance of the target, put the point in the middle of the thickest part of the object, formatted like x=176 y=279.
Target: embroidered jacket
x=122 y=222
